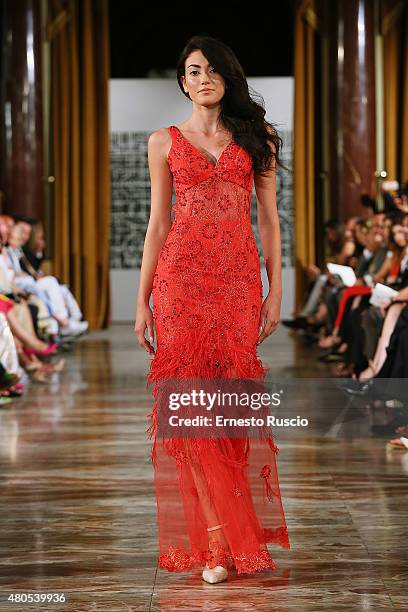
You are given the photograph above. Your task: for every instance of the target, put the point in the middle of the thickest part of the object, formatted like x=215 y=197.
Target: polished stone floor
x=78 y=514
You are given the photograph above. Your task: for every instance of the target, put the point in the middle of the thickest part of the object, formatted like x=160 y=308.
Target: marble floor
x=78 y=514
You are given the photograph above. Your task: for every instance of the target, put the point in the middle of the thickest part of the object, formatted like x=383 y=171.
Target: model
x=218 y=499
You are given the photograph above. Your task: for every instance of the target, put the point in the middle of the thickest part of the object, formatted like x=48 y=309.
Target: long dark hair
x=242 y=113
x=393 y=245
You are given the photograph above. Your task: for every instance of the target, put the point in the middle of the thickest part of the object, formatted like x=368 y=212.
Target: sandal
x=26 y=362
x=51 y=349
x=53 y=367
x=216 y=574
x=329 y=342
x=219 y=573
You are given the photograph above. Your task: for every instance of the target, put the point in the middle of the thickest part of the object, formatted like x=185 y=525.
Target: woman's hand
x=313 y=271
x=334 y=280
x=269 y=318
x=144 y=319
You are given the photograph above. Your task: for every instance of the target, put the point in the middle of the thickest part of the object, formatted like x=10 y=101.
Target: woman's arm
x=346 y=252
x=269 y=234
x=383 y=272
x=161 y=182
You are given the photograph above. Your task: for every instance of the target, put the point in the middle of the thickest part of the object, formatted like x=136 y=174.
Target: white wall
x=146 y=105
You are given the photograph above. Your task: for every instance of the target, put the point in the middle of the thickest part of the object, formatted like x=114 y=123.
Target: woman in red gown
x=218 y=499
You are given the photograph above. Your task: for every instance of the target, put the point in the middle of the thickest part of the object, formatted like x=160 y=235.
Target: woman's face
x=204 y=85
x=399 y=235
x=332 y=235
x=6 y=224
x=40 y=239
x=387 y=228
x=16 y=238
x=361 y=234
x=350 y=228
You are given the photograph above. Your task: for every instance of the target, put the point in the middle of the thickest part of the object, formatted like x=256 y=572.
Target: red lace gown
x=207 y=295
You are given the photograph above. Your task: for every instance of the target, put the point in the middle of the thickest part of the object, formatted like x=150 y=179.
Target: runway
x=78 y=514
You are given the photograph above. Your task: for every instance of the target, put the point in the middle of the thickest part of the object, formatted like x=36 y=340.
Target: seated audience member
x=33 y=250
x=341 y=246
x=46 y=288
x=391 y=313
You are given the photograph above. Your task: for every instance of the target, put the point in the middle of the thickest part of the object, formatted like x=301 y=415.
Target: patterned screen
x=131 y=199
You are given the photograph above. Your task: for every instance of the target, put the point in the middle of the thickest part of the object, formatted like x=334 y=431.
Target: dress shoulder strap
x=173 y=133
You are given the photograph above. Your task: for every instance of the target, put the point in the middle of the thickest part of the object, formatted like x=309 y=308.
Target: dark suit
x=372 y=264
x=32 y=259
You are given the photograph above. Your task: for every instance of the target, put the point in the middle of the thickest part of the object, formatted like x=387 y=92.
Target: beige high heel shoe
x=54 y=367
x=218 y=573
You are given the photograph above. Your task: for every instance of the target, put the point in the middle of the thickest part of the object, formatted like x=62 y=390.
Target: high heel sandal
x=329 y=342
x=54 y=367
x=32 y=367
x=50 y=350
x=218 y=573
x=25 y=361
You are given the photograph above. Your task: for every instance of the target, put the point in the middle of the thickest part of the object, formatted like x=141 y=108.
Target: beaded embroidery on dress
x=207 y=296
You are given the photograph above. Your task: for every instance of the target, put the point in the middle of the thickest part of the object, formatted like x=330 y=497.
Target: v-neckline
x=201 y=153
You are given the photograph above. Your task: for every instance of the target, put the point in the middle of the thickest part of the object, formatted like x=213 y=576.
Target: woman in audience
x=46 y=288
x=33 y=255
x=342 y=248
x=392 y=364
x=392 y=309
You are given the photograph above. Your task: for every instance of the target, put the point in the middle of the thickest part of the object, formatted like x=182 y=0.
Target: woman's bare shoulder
x=159 y=143
x=159 y=137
